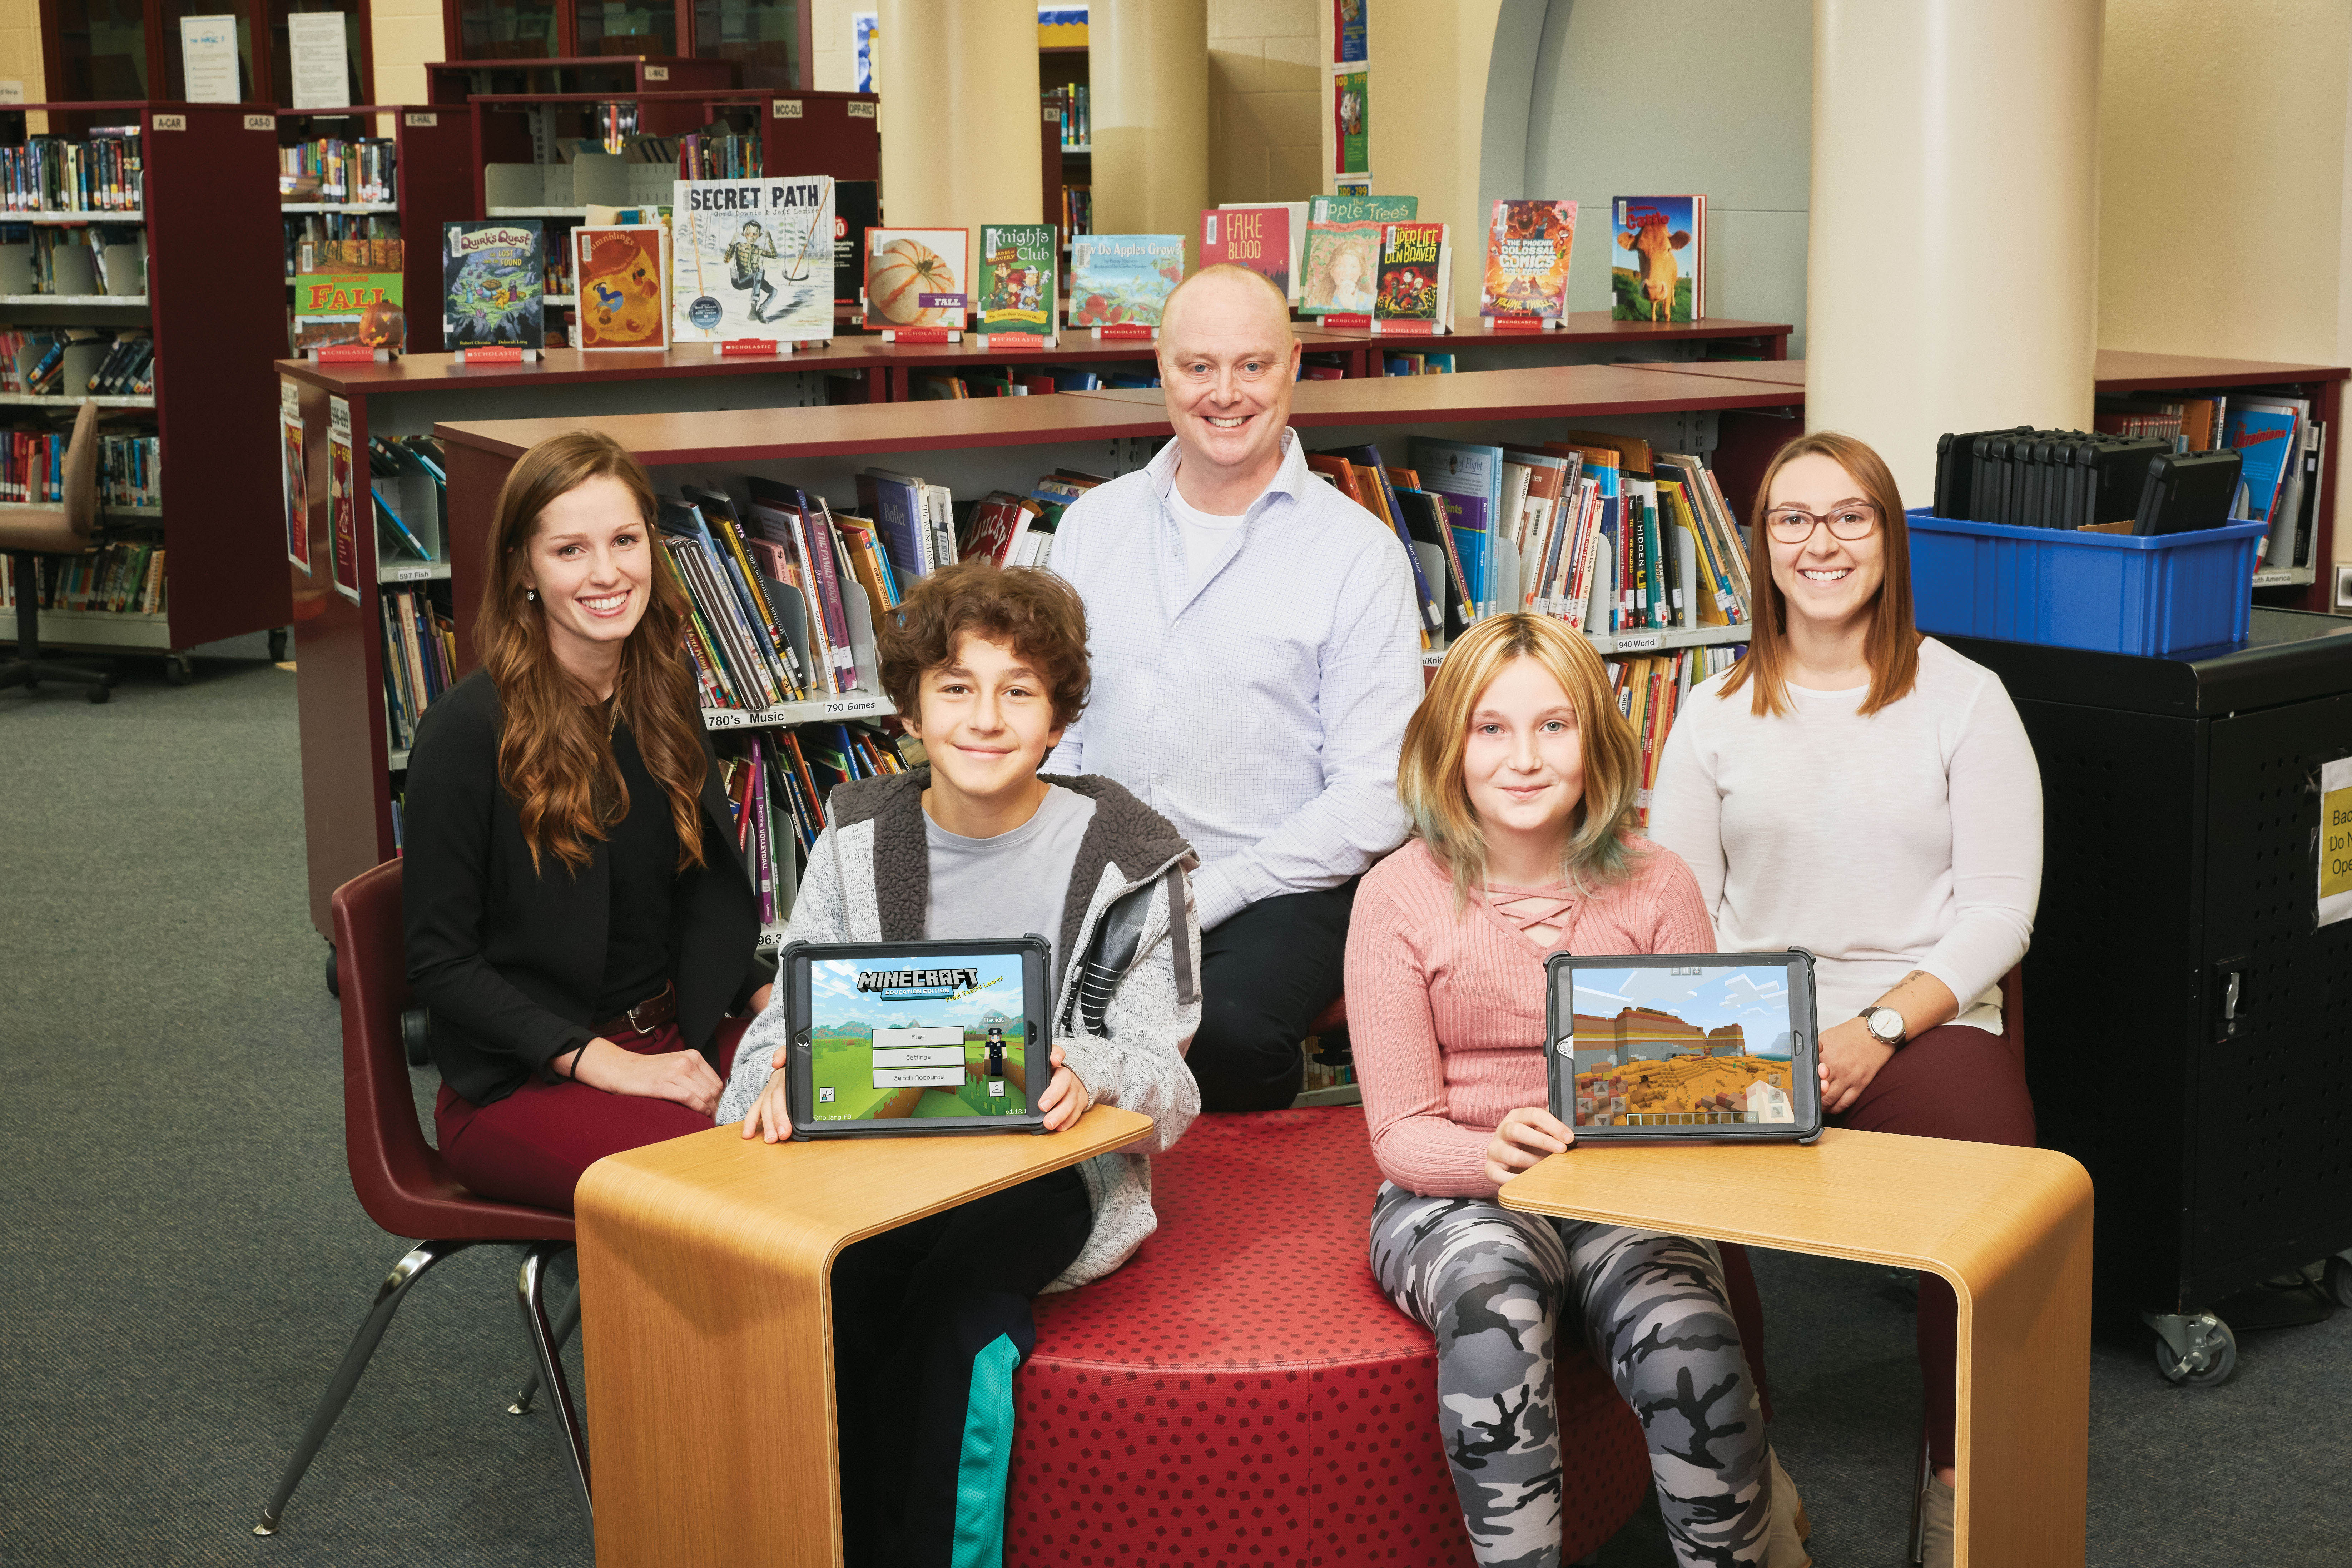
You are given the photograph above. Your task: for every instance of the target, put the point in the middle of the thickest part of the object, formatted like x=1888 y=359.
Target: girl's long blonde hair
x=1429 y=768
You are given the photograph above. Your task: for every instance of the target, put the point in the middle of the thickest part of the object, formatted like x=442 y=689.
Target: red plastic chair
x=404 y=1184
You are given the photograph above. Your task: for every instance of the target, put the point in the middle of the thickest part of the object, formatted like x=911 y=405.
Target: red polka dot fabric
x=1241 y=1391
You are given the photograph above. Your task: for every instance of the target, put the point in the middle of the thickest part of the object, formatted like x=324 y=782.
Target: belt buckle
x=648 y=1002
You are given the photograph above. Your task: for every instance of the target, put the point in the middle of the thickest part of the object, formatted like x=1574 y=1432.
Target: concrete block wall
x=1268 y=97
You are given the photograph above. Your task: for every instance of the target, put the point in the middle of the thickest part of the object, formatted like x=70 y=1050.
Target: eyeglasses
x=1795 y=525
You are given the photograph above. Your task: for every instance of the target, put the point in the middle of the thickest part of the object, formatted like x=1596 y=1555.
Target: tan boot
x=1936 y=1506
x=1784 y=1546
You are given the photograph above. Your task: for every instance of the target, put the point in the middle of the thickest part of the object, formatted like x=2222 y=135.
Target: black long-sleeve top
x=514 y=964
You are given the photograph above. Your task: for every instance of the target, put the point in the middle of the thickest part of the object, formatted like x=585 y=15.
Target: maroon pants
x=1952 y=1082
x=531 y=1146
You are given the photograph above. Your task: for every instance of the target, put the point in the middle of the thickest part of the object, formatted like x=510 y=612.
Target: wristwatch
x=1885 y=1027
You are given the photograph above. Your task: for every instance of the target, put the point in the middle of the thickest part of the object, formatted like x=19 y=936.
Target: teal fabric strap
x=982 y=1473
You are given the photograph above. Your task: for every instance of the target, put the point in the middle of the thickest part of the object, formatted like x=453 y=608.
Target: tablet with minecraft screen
x=1684 y=1047
x=918 y=1036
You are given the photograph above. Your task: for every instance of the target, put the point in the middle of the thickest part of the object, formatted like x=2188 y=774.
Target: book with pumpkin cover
x=620 y=271
x=1123 y=279
x=1656 y=266
x=1527 y=246
x=1341 y=263
x=915 y=277
x=1017 y=269
x=1416 y=281
x=359 y=308
x=493 y=284
x=752 y=259
x=1257 y=237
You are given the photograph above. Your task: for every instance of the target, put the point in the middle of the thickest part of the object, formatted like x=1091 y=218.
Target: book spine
x=836 y=615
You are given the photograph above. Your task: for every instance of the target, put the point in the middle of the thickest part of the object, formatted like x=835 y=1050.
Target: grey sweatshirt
x=868 y=880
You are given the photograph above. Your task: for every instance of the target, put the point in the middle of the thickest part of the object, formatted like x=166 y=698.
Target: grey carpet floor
x=182 y=1261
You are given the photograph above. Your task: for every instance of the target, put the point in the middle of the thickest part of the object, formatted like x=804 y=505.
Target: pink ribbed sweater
x=1446 y=1010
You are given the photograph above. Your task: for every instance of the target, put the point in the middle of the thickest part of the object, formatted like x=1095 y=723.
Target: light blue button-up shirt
x=1259 y=707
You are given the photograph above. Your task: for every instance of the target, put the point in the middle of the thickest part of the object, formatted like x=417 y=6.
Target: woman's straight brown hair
x=1892 y=647
x=1430 y=785
x=555 y=751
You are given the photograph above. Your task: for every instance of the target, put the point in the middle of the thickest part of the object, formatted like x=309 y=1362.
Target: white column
x=1952 y=272
x=1147 y=62
x=961 y=145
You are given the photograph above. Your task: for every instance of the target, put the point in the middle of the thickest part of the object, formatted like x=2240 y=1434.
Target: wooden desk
x=706 y=1272
x=2010 y=1228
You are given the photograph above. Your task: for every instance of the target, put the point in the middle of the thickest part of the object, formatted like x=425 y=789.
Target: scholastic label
x=425 y=121
x=785 y=109
x=861 y=112
x=174 y=122
x=261 y=122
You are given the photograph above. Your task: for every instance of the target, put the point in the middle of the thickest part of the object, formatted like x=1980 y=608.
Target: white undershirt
x=1205 y=534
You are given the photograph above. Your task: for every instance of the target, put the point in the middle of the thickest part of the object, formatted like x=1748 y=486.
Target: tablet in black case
x=900 y=1038
x=1684 y=1048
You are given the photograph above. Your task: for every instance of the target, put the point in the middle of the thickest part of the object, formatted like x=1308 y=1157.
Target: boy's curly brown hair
x=1037 y=613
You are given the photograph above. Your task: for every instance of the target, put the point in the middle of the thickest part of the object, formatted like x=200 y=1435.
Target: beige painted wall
x=1428 y=102
x=2222 y=207
x=20 y=45
x=1267 y=111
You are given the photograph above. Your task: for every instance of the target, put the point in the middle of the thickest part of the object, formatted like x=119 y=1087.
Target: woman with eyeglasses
x=1859 y=791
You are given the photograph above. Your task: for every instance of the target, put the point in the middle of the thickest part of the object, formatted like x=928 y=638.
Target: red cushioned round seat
x=1241 y=1392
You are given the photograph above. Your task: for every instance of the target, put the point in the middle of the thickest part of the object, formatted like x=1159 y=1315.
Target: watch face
x=1885 y=1024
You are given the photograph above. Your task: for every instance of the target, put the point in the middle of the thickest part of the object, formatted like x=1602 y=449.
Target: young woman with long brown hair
x=579 y=920
x=1859 y=791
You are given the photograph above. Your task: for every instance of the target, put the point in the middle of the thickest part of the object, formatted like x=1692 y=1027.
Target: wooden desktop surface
x=705 y=1269
x=2010 y=1228
x=1785 y=373
x=1594 y=327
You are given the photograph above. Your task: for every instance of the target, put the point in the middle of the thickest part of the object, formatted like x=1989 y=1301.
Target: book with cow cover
x=1657 y=269
x=1527 y=246
x=1258 y=238
x=1018 y=265
x=1341 y=266
x=915 y=278
x=1416 y=282
x=620 y=270
x=493 y=283
x=1123 y=279
x=752 y=259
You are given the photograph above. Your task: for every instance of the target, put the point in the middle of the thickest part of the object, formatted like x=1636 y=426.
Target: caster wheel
x=2339 y=1280
x=334 y=985
x=2198 y=1352
x=100 y=693
x=277 y=645
x=179 y=669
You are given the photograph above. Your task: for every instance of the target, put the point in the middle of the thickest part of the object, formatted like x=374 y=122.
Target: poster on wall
x=1350 y=121
x=321 y=63
x=295 y=479
x=208 y=58
x=2335 y=841
x=342 y=474
x=865 y=27
x=1348 y=31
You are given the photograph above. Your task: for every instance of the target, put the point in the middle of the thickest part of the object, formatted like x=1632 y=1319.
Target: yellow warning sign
x=2335 y=841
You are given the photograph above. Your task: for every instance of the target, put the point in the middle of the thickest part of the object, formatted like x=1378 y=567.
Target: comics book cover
x=1123 y=279
x=751 y=259
x=1017 y=278
x=620 y=270
x=493 y=283
x=1527 y=246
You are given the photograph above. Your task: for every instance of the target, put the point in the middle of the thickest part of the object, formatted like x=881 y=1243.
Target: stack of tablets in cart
x=2026 y=478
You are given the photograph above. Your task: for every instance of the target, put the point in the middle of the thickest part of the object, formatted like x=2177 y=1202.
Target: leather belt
x=644 y=1018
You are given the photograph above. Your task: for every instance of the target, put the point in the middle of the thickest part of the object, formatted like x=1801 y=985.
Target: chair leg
x=565 y=1324
x=405 y=1273
x=530 y=1290
x=1918 y=1549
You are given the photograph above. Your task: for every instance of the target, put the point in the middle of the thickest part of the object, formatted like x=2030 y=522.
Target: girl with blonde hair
x=1519 y=776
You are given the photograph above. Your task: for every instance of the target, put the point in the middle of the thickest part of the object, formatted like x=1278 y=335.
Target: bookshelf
x=211 y=302
x=432 y=149
x=1064 y=73
x=452 y=82
x=969 y=446
x=1591 y=337
x=2300 y=586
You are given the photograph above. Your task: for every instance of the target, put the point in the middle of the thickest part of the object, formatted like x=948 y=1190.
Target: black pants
x=1264 y=974
x=929 y=1322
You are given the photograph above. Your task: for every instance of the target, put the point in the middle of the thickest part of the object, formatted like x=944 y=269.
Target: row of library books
x=721 y=156
x=420 y=654
x=1414 y=364
x=124 y=577
x=1077 y=116
x=332 y=169
x=778 y=783
x=2281 y=449
x=129 y=470
x=53 y=173
x=95 y=258
x=1018 y=381
x=1651 y=691
x=343 y=243
x=109 y=363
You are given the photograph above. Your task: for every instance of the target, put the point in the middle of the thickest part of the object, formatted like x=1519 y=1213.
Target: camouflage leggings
x=1493 y=1285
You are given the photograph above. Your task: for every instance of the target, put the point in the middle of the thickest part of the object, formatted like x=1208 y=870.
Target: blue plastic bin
x=2117 y=592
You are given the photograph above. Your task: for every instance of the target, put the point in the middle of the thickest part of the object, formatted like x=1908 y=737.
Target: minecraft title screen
x=1682 y=1047
x=892 y=1038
